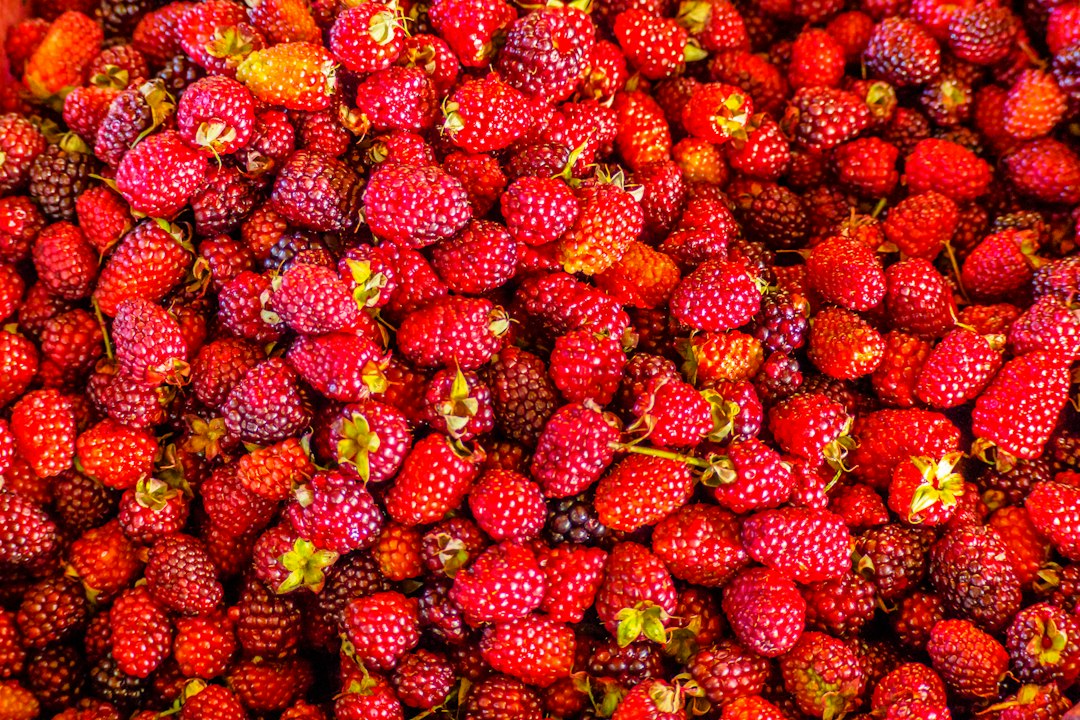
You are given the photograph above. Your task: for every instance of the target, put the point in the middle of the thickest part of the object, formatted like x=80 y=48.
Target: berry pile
x=469 y=360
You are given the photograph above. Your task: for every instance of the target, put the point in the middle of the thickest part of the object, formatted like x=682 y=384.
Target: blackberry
x=111 y=684
x=915 y=617
x=61 y=174
x=349 y=578
x=119 y=17
x=544 y=159
x=970 y=569
x=639 y=370
x=295 y=246
x=81 y=503
x=181 y=575
x=826 y=117
x=12 y=653
x=223 y=202
x=903 y=53
x=441 y=615
x=21 y=143
x=268 y=624
x=423 y=679
x=776 y=215
x=781 y=325
x=1064 y=450
x=1010 y=488
x=726 y=671
x=544 y=52
x=893 y=558
x=501 y=697
x=628 y=666
x=179 y=72
x=130 y=114
x=319 y=192
x=573 y=519
x=522 y=393
x=778 y=378
x=52 y=610
x=56 y=676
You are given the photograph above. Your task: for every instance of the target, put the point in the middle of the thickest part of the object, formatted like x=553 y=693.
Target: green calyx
x=940 y=484
x=1048 y=643
x=111 y=76
x=694 y=15
x=305 y=564
x=453 y=555
x=229 y=43
x=214 y=135
x=356 y=444
x=459 y=408
x=384 y=27
x=723 y=413
x=643 y=619
x=731 y=117
x=453 y=124
x=499 y=322
x=154 y=494
x=367 y=285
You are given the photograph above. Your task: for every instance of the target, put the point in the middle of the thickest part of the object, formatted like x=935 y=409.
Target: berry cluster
x=633 y=359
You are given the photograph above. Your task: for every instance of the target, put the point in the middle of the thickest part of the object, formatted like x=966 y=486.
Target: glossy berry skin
x=804 y=544
x=641 y=490
x=846 y=272
x=573 y=450
x=970 y=662
x=574 y=574
x=750 y=476
x=969 y=566
x=587 y=366
x=216 y=114
x=159 y=175
x=652 y=44
x=538 y=210
x=366 y=38
x=415 y=206
x=454 y=331
x=336 y=513
x=149 y=345
x=317 y=191
x=1053 y=508
x=1018 y=410
x=535 y=649
x=296 y=75
x=650 y=700
x=434 y=479
x=727 y=671
x=504 y=584
x=64 y=261
x=43 y=424
x=382 y=627
x=822 y=672
x=902 y=52
x=717 y=296
x=957 y=369
x=141 y=632
x=545 y=52
x=766 y=611
x=633 y=575
x=507 y=505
